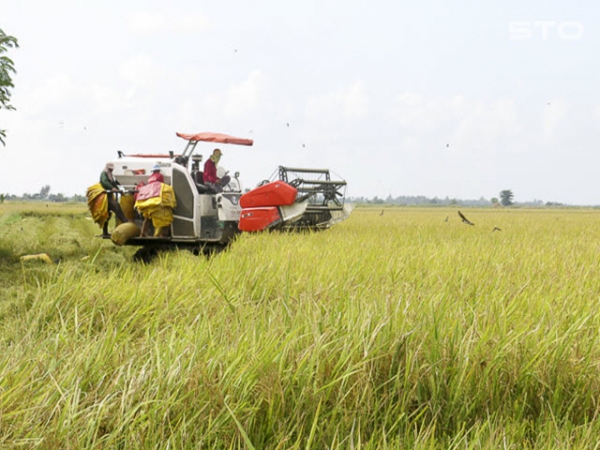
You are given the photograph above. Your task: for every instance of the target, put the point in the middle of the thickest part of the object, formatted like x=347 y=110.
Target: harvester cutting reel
x=325 y=197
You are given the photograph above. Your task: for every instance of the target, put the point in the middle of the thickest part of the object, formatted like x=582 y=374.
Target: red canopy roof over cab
x=215 y=137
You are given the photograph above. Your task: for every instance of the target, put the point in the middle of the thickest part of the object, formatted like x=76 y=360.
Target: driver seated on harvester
x=210 y=172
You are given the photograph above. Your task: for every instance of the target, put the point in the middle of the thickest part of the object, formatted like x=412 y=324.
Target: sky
x=440 y=98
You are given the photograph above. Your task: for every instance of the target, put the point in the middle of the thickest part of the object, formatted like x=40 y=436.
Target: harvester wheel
x=145 y=254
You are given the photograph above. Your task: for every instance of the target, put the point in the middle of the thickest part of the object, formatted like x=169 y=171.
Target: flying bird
x=447 y=145
x=496 y=229
x=464 y=219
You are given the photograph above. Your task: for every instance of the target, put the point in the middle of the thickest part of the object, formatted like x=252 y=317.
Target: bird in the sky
x=496 y=229
x=447 y=145
x=464 y=219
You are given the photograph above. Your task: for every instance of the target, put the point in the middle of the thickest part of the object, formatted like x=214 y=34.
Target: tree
x=58 y=198
x=7 y=68
x=78 y=198
x=506 y=197
x=44 y=191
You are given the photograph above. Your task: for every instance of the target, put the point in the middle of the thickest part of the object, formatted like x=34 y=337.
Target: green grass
x=393 y=331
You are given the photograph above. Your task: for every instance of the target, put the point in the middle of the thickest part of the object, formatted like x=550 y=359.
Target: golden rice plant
x=401 y=330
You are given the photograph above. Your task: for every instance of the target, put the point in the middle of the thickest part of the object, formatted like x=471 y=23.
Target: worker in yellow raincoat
x=102 y=203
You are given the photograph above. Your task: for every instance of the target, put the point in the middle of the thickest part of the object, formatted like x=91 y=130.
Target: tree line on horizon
x=505 y=198
x=44 y=195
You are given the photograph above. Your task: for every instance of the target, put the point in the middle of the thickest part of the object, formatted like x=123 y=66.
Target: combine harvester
x=205 y=220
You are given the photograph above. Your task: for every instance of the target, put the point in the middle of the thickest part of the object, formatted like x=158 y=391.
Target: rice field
x=401 y=330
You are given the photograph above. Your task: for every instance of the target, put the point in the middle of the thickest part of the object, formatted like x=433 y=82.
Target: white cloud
x=147 y=22
x=552 y=117
x=486 y=121
x=456 y=118
x=355 y=101
x=55 y=90
x=141 y=70
x=61 y=97
x=239 y=99
x=349 y=102
x=411 y=111
x=107 y=100
x=596 y=113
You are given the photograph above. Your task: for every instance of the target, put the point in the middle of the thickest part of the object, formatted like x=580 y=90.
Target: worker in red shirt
x=210 y=172
x=156 y=175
